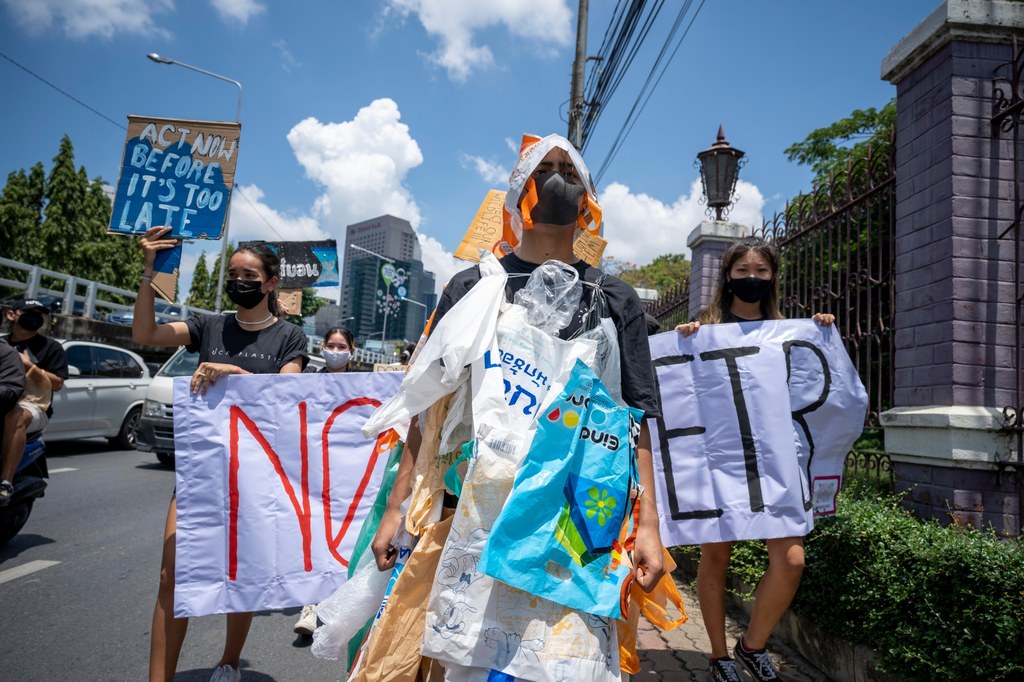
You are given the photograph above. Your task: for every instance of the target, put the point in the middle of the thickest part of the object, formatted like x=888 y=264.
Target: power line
x=123 y=127
x=66 y=94
x=650 y=84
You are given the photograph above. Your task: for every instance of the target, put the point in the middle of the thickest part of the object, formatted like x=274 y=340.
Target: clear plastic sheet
x=551 y=296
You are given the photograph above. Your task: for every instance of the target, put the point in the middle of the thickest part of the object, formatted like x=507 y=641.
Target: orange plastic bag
x=655 y=607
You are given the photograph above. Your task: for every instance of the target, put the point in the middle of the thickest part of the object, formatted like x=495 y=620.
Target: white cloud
x=251 y=218
x=85 y=18
x=544 y=24
x=439 y=261
x=639 y=228
x=288 y=60
x=492 y=173
x=361 y=165
x=237 y=10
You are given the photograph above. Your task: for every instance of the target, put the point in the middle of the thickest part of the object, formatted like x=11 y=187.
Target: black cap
x=29 y=304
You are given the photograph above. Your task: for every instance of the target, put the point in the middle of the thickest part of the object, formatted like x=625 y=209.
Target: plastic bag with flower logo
x=558 y=535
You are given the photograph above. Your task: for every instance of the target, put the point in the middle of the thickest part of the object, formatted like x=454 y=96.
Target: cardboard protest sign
x=758 y=419
x=274 y=480
x=289 y=301
x=485 y=230
x=176 y=173
x=589 y=247
x=307 y=264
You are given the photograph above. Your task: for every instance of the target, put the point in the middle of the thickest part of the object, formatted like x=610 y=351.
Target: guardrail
x=94 y=303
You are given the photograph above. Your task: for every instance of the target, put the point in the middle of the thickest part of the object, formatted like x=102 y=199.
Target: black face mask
x=751 y=289
x=30 y=320
x=558 y=199
x=245 y=293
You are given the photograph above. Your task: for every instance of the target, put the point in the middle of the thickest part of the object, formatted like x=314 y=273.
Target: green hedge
x=938 y=603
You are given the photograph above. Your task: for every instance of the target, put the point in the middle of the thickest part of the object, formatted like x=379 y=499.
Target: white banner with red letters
x=758 y=420
x=274 y=480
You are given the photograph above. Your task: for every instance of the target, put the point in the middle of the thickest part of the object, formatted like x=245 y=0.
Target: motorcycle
x=29 y=485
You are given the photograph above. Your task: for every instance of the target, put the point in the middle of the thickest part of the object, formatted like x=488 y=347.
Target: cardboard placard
x=589 y=247
x=289 y=301
x=485 y=230
x=176 y=173
x=306 y=264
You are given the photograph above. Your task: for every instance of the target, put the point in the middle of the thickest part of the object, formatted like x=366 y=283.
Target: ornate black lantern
x=719 y=170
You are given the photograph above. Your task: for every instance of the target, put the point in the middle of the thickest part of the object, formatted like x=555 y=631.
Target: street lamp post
x=160 y=59
x=422 y=305
x=719 y=169
x=387 y=290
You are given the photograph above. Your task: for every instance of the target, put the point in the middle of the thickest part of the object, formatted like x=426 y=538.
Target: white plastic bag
x=346 y=611
x=458 y=340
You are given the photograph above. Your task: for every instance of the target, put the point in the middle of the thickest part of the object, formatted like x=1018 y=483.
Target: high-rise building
x=374 y=290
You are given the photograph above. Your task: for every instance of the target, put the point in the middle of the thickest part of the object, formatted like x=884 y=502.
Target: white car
x=156 y=427
x=102 y=395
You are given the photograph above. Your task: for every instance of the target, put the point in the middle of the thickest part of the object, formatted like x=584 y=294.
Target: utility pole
x=578 y=67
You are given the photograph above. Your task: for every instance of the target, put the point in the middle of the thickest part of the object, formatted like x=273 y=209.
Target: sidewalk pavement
x=682 y=654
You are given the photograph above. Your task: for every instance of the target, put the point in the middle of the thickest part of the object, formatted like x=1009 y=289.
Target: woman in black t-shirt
x=254 y=340
x=747 y=291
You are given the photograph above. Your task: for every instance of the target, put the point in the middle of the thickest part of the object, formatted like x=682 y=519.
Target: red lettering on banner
x=302 y=511
x=334 y=541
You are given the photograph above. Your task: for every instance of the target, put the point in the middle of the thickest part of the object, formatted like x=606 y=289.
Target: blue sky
x=416 y=107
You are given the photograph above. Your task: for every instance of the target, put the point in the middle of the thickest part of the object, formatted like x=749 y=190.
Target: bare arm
x=144 y=327
x=648 y=554
x=383 y=551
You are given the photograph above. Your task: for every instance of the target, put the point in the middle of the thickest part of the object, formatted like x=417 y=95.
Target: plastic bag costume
x=529 y=431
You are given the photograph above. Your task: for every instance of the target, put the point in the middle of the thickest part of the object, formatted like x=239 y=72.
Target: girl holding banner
x=336 y=350
x=747 y=291
x=252 y=341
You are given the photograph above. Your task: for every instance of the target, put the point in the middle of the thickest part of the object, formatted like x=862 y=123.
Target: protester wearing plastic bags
x=505 y=341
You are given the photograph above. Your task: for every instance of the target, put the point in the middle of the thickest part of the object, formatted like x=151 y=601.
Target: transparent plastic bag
x=346 y=611
x=551 y=296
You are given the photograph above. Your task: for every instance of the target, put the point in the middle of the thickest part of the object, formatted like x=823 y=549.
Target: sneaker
x=307 y=621
x=757 y=663
x=724 y=670
x=6 y=493
x=226 y=673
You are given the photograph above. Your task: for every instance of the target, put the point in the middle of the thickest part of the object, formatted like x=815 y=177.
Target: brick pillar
x=953 y=364
x=707 y=242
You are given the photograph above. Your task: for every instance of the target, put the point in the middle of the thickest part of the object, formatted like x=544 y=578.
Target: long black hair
x=271 y=267
x=721 y=299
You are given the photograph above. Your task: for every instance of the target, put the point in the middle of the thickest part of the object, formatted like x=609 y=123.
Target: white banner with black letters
x=758 y=420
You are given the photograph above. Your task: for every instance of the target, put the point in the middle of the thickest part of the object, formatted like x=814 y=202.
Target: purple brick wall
x=706 y=258
x=954 y=304
x=969 y=497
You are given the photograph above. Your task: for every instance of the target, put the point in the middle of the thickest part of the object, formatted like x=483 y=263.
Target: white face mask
x=335 y=359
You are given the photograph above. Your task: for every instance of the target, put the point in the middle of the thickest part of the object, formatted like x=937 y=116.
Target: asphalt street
x=77 y=585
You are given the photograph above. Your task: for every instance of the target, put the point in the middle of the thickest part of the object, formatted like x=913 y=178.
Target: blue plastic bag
x=557 y=534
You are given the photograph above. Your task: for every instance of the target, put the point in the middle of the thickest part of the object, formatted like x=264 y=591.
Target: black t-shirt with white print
x=219 y=338
x=623 y=306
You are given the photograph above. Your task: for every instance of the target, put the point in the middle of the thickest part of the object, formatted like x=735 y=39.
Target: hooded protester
x=551 y=199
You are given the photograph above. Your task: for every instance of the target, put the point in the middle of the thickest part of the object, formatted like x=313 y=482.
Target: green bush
x=938 y=603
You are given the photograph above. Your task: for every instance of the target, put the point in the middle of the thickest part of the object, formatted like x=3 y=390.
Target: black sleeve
x=55 y=360
x=638 y=386
x=295 y=345
x=197 y=327
x=12 y=377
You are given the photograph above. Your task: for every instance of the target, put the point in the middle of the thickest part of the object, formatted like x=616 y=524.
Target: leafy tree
x=203 y=291
x=830 y=149
x=21 y=211
x=663 y=273
x=65 y=202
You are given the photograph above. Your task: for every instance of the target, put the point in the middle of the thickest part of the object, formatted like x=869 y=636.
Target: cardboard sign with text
x=176 y=173
x=758 y=418
x=274 y=480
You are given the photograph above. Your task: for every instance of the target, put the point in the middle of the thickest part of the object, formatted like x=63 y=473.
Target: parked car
x=125 y=317
x=102 y=396
x=156 y=427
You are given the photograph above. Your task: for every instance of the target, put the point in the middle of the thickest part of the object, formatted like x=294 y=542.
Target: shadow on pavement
x=21 y=543
x=85 y=446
